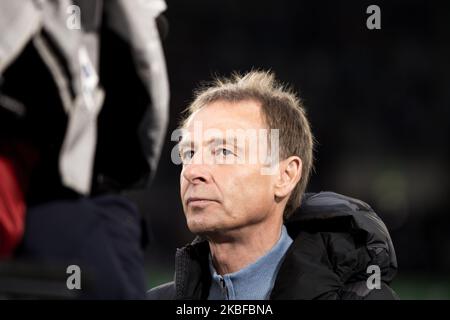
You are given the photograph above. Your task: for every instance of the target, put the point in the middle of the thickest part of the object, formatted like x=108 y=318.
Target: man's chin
x=214 y=232
x=201 y=222
x=202 y=230
x=203 y=227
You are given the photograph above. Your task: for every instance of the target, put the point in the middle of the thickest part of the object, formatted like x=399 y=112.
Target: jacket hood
x=336 y=239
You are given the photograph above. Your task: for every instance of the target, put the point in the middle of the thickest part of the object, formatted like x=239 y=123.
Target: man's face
x=219 y=192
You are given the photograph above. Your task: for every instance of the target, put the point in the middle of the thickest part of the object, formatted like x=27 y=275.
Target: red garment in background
x=16 y=161
x=12 y=207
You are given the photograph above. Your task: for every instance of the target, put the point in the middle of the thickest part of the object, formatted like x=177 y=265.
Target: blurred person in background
x=72 y=139
x=259 y=236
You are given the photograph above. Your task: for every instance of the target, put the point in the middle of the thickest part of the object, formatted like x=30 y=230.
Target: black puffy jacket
x=336 y=238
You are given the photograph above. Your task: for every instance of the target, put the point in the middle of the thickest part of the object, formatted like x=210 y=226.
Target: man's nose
x=196 y=173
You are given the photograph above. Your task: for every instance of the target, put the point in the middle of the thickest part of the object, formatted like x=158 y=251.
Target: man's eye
x=223 y=152
x=187 y=155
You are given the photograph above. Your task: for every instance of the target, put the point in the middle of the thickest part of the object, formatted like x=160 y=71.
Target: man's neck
x=244 y=247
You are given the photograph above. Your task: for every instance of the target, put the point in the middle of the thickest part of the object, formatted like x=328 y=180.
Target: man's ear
x=290 y=172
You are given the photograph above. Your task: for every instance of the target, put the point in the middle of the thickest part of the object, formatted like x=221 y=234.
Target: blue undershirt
x=254 y=282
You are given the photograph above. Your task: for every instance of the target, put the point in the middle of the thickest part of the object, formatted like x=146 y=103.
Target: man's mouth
x=196 y=201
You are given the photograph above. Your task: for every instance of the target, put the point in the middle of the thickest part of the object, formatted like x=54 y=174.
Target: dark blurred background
x=378 y=101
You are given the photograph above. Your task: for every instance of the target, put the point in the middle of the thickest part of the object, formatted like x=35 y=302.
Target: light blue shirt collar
x=254 y=282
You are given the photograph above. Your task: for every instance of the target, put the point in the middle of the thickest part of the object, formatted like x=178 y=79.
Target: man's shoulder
x=165 y=291
x=351 y=237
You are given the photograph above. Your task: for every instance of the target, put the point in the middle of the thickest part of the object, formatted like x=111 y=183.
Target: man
x=254 y=240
